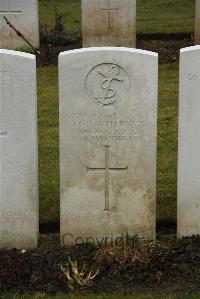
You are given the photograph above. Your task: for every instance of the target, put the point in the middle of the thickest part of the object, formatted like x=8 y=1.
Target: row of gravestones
x=108 y=132
x=104 y=23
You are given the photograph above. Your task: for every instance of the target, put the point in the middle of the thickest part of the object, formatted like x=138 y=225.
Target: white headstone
x=23 y=15
x=108 y=117
x=18 y=151
x=109 y=23
x=197 y=23
x=189 y=143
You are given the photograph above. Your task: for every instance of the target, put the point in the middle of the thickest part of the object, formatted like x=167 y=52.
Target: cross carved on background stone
x=109 y=9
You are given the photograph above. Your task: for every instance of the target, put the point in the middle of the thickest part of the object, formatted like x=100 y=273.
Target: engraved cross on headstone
x=9 y=11
x=109 y=9
x=107 y=169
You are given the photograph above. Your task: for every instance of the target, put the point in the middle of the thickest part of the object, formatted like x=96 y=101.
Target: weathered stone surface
x=108 y=124
x=23 y=15
x=189 y=142
x=18 y=151
x=109 y=23
x=197 y=23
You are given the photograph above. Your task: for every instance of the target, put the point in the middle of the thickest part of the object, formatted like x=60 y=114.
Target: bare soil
x=167 y=265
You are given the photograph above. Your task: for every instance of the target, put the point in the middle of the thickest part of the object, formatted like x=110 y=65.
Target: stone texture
x=189 y=143
x=23 y=14
x=18 y=151
x=109 y=23
x=108 y=124
x=197 y=23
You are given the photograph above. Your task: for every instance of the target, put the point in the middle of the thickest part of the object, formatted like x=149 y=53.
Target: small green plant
x=77 y=278
x=25 y=48
x=58 y=35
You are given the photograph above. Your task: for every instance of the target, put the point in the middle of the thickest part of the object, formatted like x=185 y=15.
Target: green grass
x=167 y=141
x=48 y=143
x=163 y=16
x=69 y=9
x=136 y=296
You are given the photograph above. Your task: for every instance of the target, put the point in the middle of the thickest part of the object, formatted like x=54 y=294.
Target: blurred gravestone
x=189 y=143
x=23 y=15
x=18 y=151
x=109 y=23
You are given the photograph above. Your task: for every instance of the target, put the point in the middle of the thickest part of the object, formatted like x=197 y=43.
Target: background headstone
x=18 y=151
x=23 y=14
x=108 y=124
x=189 y=143
x=109 y=23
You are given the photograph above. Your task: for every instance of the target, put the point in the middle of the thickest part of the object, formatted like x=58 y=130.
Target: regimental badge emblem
x=108 y=85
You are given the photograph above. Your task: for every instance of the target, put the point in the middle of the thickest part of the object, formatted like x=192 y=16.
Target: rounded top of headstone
x=103 y=49
x=17 y=53
x=192 y=48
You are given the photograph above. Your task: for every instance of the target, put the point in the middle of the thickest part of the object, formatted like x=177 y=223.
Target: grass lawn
x=167 y=141
x=48 y=142
x=139 y=296
x=163 y=16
